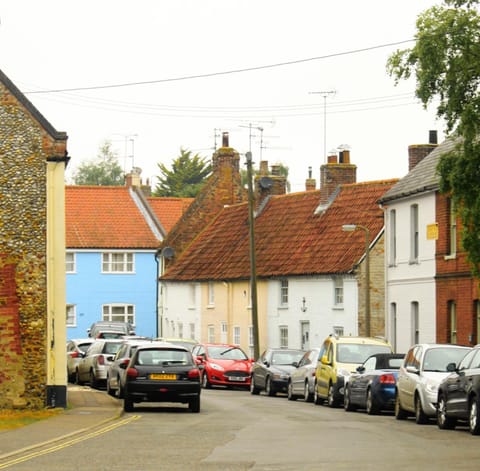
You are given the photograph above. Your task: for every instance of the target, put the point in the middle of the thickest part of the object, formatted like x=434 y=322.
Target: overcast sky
x=153 y=76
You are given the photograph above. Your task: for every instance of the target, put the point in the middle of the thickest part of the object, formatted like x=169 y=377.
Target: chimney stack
x=417 y=152
x=310 y=183
x=337 y=171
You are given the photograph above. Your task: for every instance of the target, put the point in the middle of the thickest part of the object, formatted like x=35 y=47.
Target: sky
x=289 y=80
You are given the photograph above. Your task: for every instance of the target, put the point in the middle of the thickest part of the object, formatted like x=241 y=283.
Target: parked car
x=424 y=367
x=223 y=365
x=162 y=372
x=459 y=394
x=188 y=343
x=302 y=379
x=372 y=387
x=271 y=372
x=106 y=326
x=75 y=350
x=115 y=372
x=94 y=364
x=339 y=358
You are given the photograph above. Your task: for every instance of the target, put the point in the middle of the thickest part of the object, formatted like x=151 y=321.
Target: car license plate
x=237 y=378
x=163 y=376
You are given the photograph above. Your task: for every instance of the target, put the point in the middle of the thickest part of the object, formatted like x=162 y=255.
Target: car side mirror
x=361 y=369
x=295 y=364
x=413 y=370
x=451 y=367
x=324 y=360
x=266 y=363
x=123 y=365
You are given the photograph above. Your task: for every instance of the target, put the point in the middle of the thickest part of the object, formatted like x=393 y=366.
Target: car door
x=297 y=376
x=409 y=376
x=358 y=382
x=324 y=369
x=261 y=367
x=459 y=384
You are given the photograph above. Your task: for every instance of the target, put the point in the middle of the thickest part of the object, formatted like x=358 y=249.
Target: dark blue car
x=373 y=386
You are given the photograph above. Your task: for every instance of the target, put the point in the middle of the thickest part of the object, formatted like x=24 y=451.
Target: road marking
x=71 y=442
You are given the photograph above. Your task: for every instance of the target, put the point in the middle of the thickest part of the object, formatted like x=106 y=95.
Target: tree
x=104 y=170
x=186 y=178
x=446 y=63
x=282 y=170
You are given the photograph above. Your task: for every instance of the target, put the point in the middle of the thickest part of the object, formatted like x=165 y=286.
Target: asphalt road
x=238 y=431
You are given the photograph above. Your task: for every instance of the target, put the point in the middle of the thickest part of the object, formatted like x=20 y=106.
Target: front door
x=305 y=330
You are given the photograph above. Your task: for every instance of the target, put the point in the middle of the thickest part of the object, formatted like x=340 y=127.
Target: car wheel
x=400 y=414
x=290 y=395
x=77 y=378
x=269 y=387
x=347 y=405
x=127 y=404
x=307 y=395
x=317 y=400
x=443 y=421
x=205 y=382
x=194 y=404
x=474 y=416
x=331 y=401
x=420 y=417
x=93 y=380
x=253 y=388
x=371 y=407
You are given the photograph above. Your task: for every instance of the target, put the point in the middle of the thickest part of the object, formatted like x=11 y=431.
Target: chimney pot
x=432 y=137
x=225 y=139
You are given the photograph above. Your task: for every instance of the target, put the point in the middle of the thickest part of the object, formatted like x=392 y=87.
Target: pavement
x=87 y=409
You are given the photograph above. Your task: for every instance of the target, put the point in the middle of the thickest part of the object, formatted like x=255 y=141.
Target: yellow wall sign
x=432 y=231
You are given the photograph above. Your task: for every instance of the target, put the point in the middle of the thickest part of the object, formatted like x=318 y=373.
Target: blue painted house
x=112 y=237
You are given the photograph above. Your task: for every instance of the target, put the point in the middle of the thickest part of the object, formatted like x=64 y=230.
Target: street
x=238 y=431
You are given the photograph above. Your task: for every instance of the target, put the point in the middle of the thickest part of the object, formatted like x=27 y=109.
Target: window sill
x=338 y=307
x=452 y=256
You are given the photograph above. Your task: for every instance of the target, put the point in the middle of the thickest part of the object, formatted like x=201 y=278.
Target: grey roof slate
x=422 y=178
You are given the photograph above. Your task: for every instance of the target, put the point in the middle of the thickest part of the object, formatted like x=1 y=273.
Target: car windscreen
x=286 y=357
x=163 y=357
x=358 y=353
x=226 y=353
x=437 y=359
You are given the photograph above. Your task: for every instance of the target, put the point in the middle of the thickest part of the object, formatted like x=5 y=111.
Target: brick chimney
x=337 y=171
x=310 y=183
x=133 y=178
x=417 y=152
x=266 y=184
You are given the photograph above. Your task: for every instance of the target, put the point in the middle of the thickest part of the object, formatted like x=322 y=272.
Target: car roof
x=436 y=345
x=161 y=345
x=359 y=340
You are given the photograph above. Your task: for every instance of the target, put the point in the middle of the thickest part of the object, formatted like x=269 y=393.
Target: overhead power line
x=225 y=72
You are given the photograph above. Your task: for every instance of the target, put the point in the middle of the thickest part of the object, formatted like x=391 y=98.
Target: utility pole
x=325 y=94
x=253 y=267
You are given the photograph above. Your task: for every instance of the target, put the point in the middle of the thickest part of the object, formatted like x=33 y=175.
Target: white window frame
x=236 y=335
x=128 y=314
x=211 y=293
x=71 y=315
x=284 y=292
x=70 y=262
x=223 y=332
x=393 y=238
x=414 y=234
x=180 y=330
x=192 y=330
x=283 y=336
x=338 y=330
x=118 y=262
x=452 y=319
x=414 y=309
x=192 y=293
x=452 y=226
x=211 y=333
x=338 y=291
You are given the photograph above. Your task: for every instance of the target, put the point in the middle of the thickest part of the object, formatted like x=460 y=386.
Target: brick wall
x=24 y=147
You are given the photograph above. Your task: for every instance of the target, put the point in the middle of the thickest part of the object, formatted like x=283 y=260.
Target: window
x=283 y=336
x=71 y=315
x=250 y=341
x=117 y=262
x=70 y=265
x=452 y=321
x=415 y=322
x=236 y=335
x=192 y=294
x=338 y=330
x=119 y=313
x=414 y=233
x=338 y=291
x=211 y=333
x=180 y=330
x=223 y=332
x=192 y=331
x=393 y=325
x=452 y=234
x=393 y=238
x=211 y=294
x=284 y=292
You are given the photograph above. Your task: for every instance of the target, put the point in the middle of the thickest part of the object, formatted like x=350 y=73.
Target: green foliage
x=446 y=63
x=103 y=171
x=186 y=177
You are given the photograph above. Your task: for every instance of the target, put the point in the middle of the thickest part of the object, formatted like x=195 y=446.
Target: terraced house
x=310 y=272
x=33 y=157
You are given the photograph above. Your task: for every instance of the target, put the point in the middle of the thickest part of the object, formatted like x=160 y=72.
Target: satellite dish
x=168 y=253
x=266 y=183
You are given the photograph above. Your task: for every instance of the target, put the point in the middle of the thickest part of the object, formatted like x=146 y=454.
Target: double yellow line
x=68 y=443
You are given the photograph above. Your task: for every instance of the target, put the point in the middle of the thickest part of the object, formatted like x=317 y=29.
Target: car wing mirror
x=361 y=369
x=413 y=370
x=451 y=367
x=324 y=360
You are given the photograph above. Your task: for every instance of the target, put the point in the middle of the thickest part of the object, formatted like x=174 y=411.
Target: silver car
x=302 y=379
x=423 y=369
x=76 y=348
x=95 y=362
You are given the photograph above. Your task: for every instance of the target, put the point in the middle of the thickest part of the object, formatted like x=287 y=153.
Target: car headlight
x=431 y=387
x=214 y=366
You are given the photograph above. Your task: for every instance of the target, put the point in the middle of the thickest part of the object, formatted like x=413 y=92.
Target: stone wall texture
x=24 y=147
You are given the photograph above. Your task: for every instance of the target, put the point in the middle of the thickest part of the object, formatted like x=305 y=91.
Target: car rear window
x=163 y=357
x=358 y=353
x=111 y=348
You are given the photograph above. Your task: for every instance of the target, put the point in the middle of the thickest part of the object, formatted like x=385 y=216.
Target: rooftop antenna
x=256 y=126
x=325 y=94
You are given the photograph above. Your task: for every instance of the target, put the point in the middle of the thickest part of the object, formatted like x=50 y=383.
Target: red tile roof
x=169 y=210
x=105 y=217
x=290 y=238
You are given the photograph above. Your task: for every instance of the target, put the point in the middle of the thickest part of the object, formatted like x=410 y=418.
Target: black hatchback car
x=459 y=394
x=162 y=372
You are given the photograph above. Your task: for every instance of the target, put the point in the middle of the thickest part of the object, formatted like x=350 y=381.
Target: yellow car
x=338 y=358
